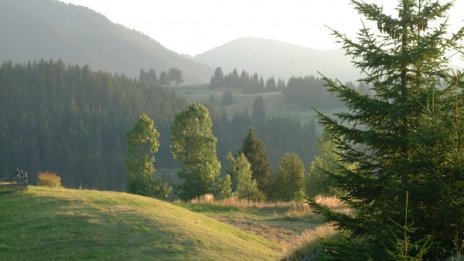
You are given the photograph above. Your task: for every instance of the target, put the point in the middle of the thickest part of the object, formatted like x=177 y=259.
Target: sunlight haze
x=193 y=27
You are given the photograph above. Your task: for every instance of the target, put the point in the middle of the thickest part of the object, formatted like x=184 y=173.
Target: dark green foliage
x=258 y=114
x=163 y=79
x=245 y=82
x=194 y=145
x=142 y=144
x=218 y=78
x=227 y=98
x=74 y=121
x=148 y=78
x=405 y=139
x=278 y=134
x=288 y=183
x=309 y=92
x=255 y=152
x=175 y=75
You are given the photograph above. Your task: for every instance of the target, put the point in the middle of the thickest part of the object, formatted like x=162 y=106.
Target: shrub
x=48 y=179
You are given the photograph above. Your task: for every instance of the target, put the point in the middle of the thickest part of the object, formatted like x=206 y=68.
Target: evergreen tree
x=163 y=78
x=401 y=147
x=258 y=114
x=194 y=145
x=142 y=144
x=175 y=75
x=255 y=152
x=243 y=184
x=227 y=98
x=218 y=78
x=271 y=85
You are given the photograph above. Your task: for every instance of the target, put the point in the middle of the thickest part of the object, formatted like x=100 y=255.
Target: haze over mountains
x=47 y=29
x=278 y=59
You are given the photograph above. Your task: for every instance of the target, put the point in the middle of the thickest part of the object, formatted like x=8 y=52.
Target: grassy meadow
x=273 y=102
x=67 y=224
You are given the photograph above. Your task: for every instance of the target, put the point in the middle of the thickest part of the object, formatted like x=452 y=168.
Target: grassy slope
x=273 y=101
x=65 y=224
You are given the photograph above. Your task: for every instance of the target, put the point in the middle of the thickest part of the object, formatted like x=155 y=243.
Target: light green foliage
x=142 y=144
x=289 y=181
x=404 y=139
x=194 y=145
x=243 y=184
x=318 y=182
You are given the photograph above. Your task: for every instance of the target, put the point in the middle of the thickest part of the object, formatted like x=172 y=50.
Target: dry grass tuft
x=333 y=203
x=297 y=210
x=307 y=242
x=239 y=203
x=48 y=179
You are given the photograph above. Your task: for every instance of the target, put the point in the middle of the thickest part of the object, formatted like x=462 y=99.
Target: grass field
x=293 y=225
x=67 y=224
x=273 y=101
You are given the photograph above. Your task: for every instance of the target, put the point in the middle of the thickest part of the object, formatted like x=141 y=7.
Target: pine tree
x=255 y=152
x=402 y=140
x=258 y=113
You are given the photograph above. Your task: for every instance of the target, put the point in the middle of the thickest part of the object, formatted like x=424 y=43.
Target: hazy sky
x=195 y=26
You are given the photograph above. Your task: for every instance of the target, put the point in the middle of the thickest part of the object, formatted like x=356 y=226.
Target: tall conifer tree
x=402 y=142
x=255 y=152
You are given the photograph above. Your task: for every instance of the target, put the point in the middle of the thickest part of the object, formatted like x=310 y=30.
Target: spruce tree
x=399 y=147
x=255 y=152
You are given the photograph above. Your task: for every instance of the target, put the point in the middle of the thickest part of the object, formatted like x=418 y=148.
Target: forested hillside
x=73 y=121
x=47 y=29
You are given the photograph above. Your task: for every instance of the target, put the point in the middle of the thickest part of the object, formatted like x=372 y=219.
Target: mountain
x=48 y=29
x=67 y=224
x=278 y=59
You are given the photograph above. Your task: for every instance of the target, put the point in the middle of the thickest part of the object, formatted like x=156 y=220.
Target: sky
x=194 y=26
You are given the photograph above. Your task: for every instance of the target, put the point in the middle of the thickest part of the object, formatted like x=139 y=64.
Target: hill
x=278 y=59
x=48 y=29
x=64 y=224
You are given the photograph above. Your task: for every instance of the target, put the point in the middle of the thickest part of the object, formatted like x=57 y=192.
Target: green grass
x=274 y=102
x=65 y=224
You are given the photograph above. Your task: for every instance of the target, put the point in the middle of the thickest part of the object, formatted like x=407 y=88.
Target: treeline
x=279 y=135
x=246 y=82
x=310 y=91
x=73 y=121
x=150 y=77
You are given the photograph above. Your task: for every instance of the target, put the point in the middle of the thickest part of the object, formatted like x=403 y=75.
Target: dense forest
x=73 y=121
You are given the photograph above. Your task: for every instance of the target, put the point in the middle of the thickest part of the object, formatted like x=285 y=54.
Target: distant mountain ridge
x=279 y=59
x=48 y=29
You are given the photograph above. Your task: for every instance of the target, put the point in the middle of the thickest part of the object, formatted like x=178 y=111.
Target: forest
x=73 y=121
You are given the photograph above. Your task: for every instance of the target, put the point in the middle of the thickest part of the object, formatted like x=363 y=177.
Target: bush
x=48 y=179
